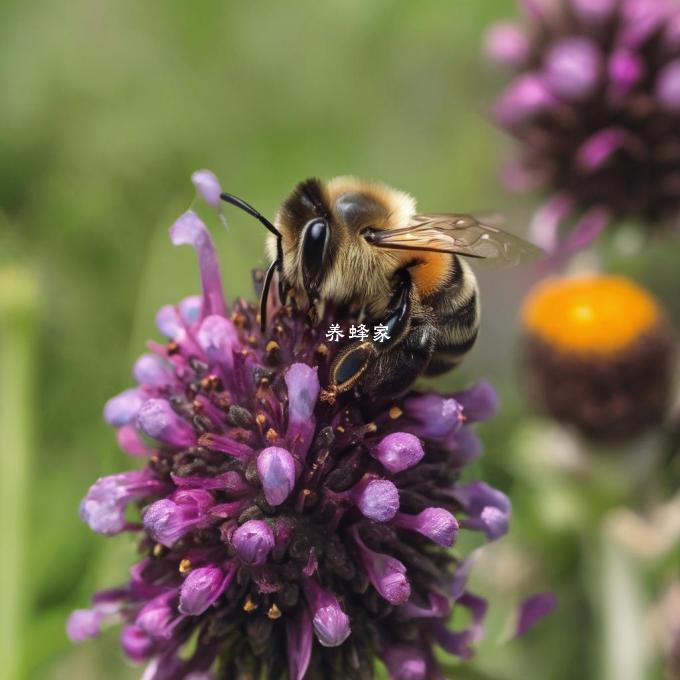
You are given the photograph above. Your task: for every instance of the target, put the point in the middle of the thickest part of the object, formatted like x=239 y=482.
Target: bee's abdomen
x=456 y=314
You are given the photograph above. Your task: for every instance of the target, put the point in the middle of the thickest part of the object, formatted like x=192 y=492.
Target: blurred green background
x=107 y=107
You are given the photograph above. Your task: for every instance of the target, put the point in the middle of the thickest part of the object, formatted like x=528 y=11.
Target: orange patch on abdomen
x=431 y=273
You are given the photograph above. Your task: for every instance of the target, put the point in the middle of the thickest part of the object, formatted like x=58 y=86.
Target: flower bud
x=253 y=541
x=377 y=499
x=399 y=451
x=276 y=469
x=437 y=524
x=157 y=419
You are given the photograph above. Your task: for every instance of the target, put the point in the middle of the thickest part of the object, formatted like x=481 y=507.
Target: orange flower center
x=593 y=314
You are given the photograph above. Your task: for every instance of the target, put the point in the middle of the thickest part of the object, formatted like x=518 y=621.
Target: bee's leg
x=355 y=359
x=394 y=371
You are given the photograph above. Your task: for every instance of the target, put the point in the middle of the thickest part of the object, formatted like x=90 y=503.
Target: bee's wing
x=459 y=234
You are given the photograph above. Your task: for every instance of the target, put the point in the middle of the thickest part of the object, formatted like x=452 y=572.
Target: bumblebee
x=362 y=246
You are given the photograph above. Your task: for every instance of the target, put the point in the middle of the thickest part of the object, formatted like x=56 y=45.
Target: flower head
x=599 y=354
x=595 y=108
x=278 y=530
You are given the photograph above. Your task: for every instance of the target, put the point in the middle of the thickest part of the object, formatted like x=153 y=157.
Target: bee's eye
x=313 y=248
x=368 y=234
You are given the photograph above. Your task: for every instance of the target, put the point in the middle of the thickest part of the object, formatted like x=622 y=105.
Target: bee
x=363 y=246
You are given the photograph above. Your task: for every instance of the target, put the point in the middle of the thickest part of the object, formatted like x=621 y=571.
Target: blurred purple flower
x=279 y=531
x=595 y=108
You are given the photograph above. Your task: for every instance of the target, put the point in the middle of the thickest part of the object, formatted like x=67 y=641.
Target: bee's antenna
x=275 y=265
x=246 y=207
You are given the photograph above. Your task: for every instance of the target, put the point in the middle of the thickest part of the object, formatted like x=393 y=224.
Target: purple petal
x=157 y=618
x=599 y=148
x=83 y=624
x=667 y=88
x=488 y=509
x=151 y=370
x=438 y=417
x=299 y=640
x=190 y=309
x=536 y=8
x=208 y=187
x=533 y=609
x=330 y=623
x=190 y=230
x=123 y=408
x=231 y=481
x=253 y=541
x=437 y=524
x=168 y=520
x=218 y=338
x=157 y=420
x=458 y=642
x=399 y=451
x=640 y=19
x=625 y=71
x=593 y=11
x=170 y=324
x=506 y=45
x=302 y=382
x=129 y=441
x=586 y=230
x=672 y=32
x=377 y=499
x=523 y=99
x=276 y=469
x=103 y=508
x=544 y=227
x=464 y=447
x=573 y=67
x=518 y=177
x=439 y=606
x=202 y=587
x=386 y=573
x=405 y=662
x=226 y=445
x=480 y=402
x=136 y=644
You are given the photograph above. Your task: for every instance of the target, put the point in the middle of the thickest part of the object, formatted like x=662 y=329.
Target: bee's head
x=324 y=228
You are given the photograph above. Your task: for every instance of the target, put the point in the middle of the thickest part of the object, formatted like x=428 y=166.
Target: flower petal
x=299 y=639
x=276 y=469
x=157 y=419
x=399 y=451
x=202 y=587
x=303 y=386
x=208 y=187
x=190 y=230
x=533 y=609
x=253 y=541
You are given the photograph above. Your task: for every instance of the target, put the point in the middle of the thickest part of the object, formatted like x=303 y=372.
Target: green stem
x=625 y=645
x=17 y=335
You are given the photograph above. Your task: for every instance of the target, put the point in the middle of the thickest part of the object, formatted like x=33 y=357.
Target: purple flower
x=330 y=623
x=168 y=519
x=276 y=525
x=399 y=451
x=276 y=468
x=202 y=587
x=437 y=524
x=377 y=499
x=104 y=506
x=533 y=609
x=208 y=187
x=253 y=541
x=83 y=624
x=593 y=105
